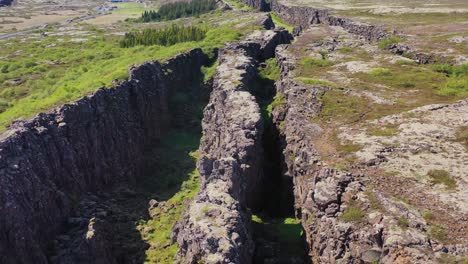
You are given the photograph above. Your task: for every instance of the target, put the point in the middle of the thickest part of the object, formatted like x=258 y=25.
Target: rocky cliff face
x=323 y=193
x=260 y=5
x=216 y=227
x=46 y=163
x=303 y=17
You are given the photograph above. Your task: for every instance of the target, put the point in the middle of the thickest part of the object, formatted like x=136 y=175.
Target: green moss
x=317 y=82
x=280 y=23
x=442 y=177
x=386 y=42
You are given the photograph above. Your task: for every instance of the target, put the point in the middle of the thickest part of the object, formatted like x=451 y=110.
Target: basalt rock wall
x=302 y=16
x=322 y=193
x=260 y=5
x=216 y=226
x=47 y=162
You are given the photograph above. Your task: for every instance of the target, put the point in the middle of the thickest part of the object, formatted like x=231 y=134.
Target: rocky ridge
x=324 y=194
x=216 y=227
x=48 y=162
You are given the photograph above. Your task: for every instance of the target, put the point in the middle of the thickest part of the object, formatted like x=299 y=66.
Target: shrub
x=438 y=232
x=352 y=214
x=403 y=222
x=442 y=177
x=386 y=42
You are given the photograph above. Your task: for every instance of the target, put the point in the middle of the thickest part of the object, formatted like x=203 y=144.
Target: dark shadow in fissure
x=278 y=235
x=119 y=210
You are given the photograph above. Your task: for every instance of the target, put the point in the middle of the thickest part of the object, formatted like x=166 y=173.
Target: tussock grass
x=353 y=214
x=442 y=177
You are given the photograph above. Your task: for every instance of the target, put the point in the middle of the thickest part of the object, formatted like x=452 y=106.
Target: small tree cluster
x=176 y=10
x=165 y=37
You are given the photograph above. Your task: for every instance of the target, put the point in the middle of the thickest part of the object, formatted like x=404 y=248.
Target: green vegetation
x=442 y=177
x=427 y=215
x=379 y=72
x=405 y=62
x=209 y=71
x=462 y=135
x=165 y=37
x=171 y=11
x=317 y=82
x=340 y=106
x=386 y=131
x=457 y=84
x=174 y=179
x=346 y=50
x=239 y=5
x=352 y=214
x=315 y=62
x=286 y=231
x=280 y=23
x=54 y=72
x=438 y=232
x=403 y=222
x=271 y=71
x=278 y=100
x=386 y=42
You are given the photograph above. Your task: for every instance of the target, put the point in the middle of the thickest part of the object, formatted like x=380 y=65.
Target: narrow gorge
x=230 y=164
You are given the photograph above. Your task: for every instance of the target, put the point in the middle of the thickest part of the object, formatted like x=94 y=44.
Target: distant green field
x=38 y=75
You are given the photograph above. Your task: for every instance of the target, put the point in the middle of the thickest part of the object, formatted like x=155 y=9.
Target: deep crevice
x=278 y=235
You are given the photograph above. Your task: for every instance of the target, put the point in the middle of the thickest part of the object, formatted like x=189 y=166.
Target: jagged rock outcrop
x=47 y=162
x=216 y=227
x=260 y=5
x=323 y=194
x=303 y=16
